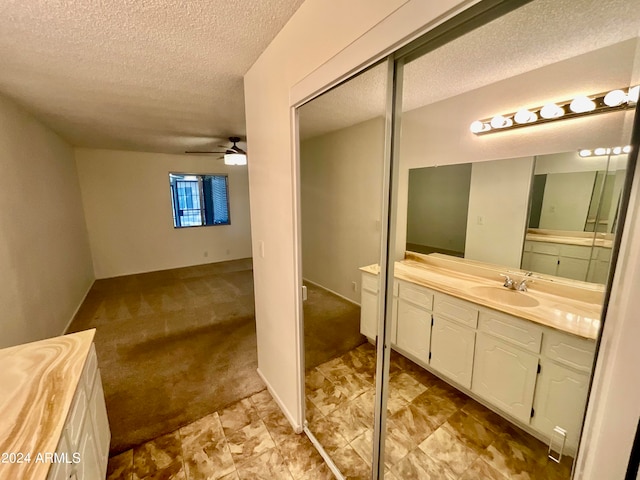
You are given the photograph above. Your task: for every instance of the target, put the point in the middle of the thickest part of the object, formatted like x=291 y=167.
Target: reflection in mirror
x=503 y=247
x=341 y=161
x=574 y=209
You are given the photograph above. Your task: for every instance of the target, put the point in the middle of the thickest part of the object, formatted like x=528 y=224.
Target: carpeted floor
x=331 y=326
x=176 y=345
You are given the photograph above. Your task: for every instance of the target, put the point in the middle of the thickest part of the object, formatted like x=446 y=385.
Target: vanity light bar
x=579 y=106
x=597 y=152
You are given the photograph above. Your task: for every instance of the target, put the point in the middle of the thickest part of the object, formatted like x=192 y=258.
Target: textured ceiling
x=541 y=33
x=136 y=74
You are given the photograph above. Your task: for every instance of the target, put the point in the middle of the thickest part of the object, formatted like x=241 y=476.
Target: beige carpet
x=176 y=345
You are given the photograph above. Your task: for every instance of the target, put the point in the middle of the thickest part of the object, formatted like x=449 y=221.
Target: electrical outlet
x=355 y=286
x=480 y=220
x=228 y=251
x=206 y=254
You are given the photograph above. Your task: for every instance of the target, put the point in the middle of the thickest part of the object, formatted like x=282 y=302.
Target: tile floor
x=433 y=430
x=250 y=439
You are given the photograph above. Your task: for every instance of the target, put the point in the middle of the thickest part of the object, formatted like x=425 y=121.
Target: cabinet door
x=543 y=263
x=574 y=268
x=561 y=396
x=505 y=376
x=368 y=314
x=89 y=466
x=98 y=411
x=414 y=330
x=452 y=347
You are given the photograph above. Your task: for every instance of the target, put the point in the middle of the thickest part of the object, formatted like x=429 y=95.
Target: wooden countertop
x=576 y=314
x=37 y=383
x=570 y=238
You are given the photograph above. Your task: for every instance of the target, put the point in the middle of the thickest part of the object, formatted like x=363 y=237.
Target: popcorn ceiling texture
x=539 y=34
x=136 y=74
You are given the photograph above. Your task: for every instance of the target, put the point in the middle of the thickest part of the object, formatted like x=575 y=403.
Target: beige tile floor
x=250 y=439
x=433 y=430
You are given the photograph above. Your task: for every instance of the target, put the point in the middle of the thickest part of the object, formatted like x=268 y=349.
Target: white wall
x=44 y=250
x=362 y=29
x=498 y=210
x=341 y=180
x=564 y=211
x=129 y=218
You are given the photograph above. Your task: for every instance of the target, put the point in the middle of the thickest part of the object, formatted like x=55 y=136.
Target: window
x=199 y=200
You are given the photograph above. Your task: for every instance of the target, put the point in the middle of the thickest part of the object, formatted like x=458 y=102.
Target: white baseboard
x=330 y=291
x=84 y=297
x=298 y=428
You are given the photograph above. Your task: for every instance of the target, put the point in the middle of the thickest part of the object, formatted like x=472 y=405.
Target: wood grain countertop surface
x=38 y=381
x=565 y=307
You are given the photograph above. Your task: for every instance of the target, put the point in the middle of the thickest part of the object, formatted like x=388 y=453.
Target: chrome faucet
x=520 y=286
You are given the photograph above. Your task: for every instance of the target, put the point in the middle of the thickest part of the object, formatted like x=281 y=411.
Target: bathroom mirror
x=453 y=210
x=341 y=161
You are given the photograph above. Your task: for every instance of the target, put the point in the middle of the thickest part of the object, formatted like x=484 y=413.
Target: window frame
x=200 y=179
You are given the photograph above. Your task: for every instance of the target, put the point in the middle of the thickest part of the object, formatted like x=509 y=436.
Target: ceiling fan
x=233 y=155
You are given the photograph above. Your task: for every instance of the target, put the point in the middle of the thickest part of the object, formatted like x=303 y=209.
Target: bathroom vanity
x=526 y=355
x=54 y=422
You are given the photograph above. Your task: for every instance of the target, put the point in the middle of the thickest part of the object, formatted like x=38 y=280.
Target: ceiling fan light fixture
x=235 y=159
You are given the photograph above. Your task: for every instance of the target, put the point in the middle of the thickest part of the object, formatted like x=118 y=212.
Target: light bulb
x=551 y=110
x=525 y=116
x=478 y=126
x=235 y=159
x=585 y=153
x=600 y=151
x=617 y=150
x=626 y=149
x=582 y=104
x=633 y=94
x=615 y=98
x=500 y=121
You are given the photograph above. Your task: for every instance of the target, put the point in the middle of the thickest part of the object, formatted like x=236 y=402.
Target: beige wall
x=498 y=210
x=341 y=180
x=44 y=251
x=128 y=210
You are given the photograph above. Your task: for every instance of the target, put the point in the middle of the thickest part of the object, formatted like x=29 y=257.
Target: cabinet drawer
x=548 y=248
x=575 y=251
x=454 y=309
x=76 y=416
x=516 y=331
x=416 y=294
x=568 y=350
x=370 y=282
x=90 y=368
x=601 y=253
x=528 y=246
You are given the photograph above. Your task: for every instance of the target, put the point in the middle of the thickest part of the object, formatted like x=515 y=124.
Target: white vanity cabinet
x=86 y=435
x=413 y=331
x=369 y=306
x=453 y=338
x=567 y=261
x=563 y=383
x=534 y=375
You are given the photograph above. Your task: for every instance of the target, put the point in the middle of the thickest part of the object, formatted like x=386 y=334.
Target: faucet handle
x=508 y=281
x=522 y=285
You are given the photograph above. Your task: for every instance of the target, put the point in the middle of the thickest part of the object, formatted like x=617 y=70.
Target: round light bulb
x=525 y=116
x=582 y=104
x=478 y=126
x=626 y=149
x=615 y=98
x=585 y=153
x=633 y=94
x=617 y=150
x=600 y=151
x=499 y=121
x=551 y=110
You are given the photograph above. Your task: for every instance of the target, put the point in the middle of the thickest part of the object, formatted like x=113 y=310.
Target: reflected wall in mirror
x=341 y=162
